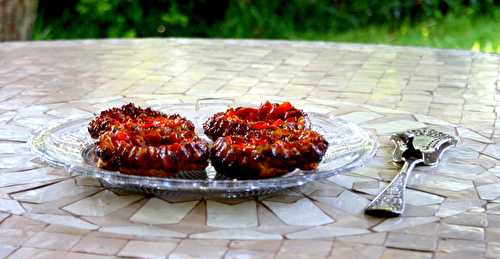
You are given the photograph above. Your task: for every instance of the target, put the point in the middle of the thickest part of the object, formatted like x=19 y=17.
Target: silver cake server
x=423 y=146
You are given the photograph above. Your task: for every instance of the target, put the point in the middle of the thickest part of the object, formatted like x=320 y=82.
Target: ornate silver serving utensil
x=423 y=146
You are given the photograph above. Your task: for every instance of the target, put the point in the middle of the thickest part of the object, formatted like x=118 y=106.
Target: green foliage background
x=442 y=23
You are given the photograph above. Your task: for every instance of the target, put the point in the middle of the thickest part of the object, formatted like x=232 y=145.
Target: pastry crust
x=267 y=153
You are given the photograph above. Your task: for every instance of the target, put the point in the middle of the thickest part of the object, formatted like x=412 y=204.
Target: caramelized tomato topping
x=243 y=119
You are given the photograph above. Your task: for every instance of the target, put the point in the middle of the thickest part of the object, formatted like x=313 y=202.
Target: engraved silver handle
x=391 y=201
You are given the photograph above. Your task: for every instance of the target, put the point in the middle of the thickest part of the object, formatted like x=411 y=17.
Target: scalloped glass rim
x=62 y=142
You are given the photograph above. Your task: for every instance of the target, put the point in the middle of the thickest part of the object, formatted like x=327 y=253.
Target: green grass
x=473 y=30
x=476 y=34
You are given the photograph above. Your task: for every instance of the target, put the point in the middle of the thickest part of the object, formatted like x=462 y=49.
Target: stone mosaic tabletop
x=453 y=210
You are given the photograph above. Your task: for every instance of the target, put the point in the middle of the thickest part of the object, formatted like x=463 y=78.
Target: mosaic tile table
x=453 y=209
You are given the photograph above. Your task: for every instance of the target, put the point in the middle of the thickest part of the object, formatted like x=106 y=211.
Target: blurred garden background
x=463 y=24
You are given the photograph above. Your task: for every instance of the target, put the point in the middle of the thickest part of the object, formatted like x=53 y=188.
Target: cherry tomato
x=122 y=135
x=278 y=123
x=173 y=137
x=239 y=145
x=260 y=125
x=265 y=108
x=280 y=110
x=247 y=113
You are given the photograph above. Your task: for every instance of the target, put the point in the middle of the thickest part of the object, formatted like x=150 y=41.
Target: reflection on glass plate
x=67 y=144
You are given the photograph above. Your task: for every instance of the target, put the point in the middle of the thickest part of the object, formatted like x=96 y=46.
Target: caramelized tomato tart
x=263 y=142
x=145 y=142
x=241 y=120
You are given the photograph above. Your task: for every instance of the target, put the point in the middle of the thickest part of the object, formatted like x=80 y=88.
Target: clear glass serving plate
x=67 y=144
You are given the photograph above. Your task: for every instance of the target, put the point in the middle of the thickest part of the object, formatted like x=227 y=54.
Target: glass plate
x=68 y=144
